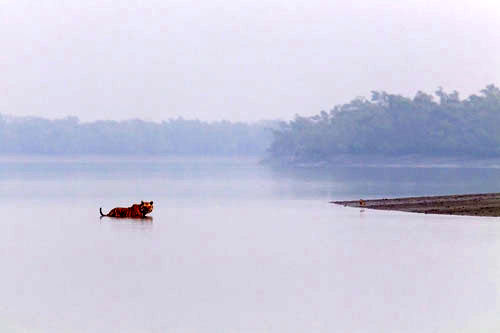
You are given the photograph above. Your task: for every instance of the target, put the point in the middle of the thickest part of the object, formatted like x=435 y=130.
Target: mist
x=235 y=60
x=180 y=137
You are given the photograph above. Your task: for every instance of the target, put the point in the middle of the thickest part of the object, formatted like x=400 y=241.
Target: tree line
x=34 y=135
x=393 y=125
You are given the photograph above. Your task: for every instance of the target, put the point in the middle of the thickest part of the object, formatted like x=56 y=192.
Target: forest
x=387 y=125
x=393 y=125
x=33 y=135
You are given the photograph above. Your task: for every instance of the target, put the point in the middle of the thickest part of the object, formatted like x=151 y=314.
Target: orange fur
x=135 y=211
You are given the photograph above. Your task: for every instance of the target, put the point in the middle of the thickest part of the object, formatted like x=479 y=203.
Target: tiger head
x=146 y=207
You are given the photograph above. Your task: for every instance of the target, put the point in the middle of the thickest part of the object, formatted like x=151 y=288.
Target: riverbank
x=485 y=204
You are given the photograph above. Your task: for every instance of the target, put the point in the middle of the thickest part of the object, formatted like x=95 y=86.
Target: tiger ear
x=151 y=202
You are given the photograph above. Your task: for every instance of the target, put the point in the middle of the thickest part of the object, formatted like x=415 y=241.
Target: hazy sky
x=236 y=60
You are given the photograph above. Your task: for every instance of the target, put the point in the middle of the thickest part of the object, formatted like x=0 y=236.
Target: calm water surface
x=234 y=246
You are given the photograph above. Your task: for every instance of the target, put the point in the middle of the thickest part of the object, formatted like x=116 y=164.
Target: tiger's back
x=125 y=212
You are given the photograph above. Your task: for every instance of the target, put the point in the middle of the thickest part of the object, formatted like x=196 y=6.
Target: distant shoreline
x=483 y=204
x=385 y=161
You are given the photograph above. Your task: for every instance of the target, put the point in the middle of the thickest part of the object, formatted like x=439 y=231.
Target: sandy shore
x=487 y=204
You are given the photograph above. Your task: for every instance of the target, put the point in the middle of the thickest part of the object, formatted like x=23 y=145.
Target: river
x=235 y=246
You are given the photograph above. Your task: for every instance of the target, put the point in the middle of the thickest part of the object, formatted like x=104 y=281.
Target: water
x=239 y=247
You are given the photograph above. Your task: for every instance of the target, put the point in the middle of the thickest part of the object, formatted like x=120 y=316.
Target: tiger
x=135 y=211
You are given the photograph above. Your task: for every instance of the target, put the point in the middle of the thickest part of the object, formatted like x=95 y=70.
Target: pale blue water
x=239 y=247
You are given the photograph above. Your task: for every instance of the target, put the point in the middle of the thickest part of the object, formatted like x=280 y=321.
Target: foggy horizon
x=236 y=61
x=433 y=94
